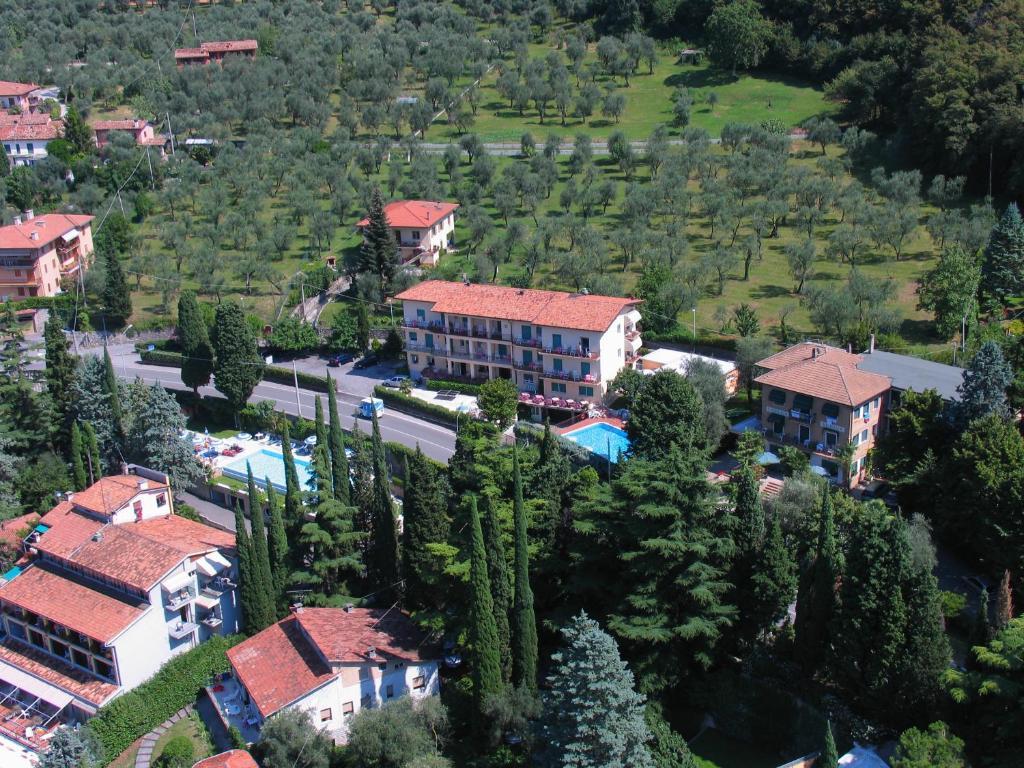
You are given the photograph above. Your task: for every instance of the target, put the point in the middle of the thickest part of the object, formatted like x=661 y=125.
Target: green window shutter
x=831 y=410
x=777 y=396
x=803 y=402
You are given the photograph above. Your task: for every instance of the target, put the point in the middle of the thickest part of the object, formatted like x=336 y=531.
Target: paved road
x=513 y=149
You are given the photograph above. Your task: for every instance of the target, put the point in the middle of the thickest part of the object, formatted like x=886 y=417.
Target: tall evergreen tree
x=332 y=540
x=382 y=556
x=749 y=540
x=92 y=447
x=239 y=367
x=829 y=756
x=501 y=586
x=264 y=612
x=117 y=297
x=322 y=479
x=1002 y=266
x=816 y=600
x=981 y=631
x=277 y=544
x=60 y=369
x=774 y=579
x=593 y=716
x=249 y=590
x=78 y=458
x=194 y=337
x=483 y=632
x=110 y=386
x=340 y=479
x=292 y=493
x=927 y=653
x=425 y=521
x=983 y=389
x=523 y=621
x=378 y=254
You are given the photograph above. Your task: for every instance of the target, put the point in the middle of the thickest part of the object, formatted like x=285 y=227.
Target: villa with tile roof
x=330 y=662
x=25 y=137
x=20 y=96
x=37 y=252
x=114 y=584
x=140 y=130
x=566 y=345
x=215 y=51
x=421 y=229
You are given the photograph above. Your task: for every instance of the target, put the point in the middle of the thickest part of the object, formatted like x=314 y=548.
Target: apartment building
x=422 y=228
x=22 y=97
x=112 y=586
x=330 y=662
x=25 y=137
x=816 y=398
x=215 y=51
x=567 y=345
x=37 y=252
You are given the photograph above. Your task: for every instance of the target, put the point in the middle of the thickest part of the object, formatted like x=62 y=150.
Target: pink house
x=18 y=96
x=215 y=51
x=140 y=130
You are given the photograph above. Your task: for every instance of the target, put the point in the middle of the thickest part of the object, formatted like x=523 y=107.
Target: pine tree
x=1004 y=602
x=293 y=492
x=196 y=349
x=593 y=716
x=524 y=621
x=248 y=588
x=981 y=631
x=829 y=755
x=60 y=369
x=425 y=521
x=78 y=458
x=983 y=389
x=114 y=394
x=117 y=297
x=264 y=613
x=483 y=632
x=277 y=544
x=92 y=447
x=501 y=586
x=816 y=600
x=1002 y=266
x=238 y=367
x=382 y=557
x=927 y=652
x=332 y=539
x=322 y=478
x=749 y=540
x=379 y=252
x=340 y=479
x=774 y=579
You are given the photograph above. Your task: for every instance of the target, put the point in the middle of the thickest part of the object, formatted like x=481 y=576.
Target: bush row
x=173 y=687
x=681 y=336
x=161 y=357
x=429 y=411
x=287 y=376
x=436 y=385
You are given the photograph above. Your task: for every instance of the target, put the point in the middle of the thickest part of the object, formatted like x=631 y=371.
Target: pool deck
x=249 y=448
x=582 y=423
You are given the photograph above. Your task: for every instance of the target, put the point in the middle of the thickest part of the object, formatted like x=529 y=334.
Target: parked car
x=340 y=359
x=396 y=382
x=877 y=489
x=366 y=362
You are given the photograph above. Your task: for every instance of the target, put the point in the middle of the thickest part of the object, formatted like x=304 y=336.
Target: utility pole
x=170 y=131
x=152 y=180
x=295 y=378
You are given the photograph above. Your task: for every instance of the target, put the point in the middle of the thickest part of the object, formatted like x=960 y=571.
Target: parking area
x=350 y=379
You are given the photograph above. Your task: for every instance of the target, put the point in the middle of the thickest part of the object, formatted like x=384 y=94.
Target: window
x=527 y=333
x=777 y=396
x=556 y=340
x=30 y=147
x=412 y=336
x=389 y=692
x=585 y=369
x=364 y=672
x=17 y=273
x=415 y=359
x=585 y=343
x=419 y=683
x=558 y=387
x=137 y=508
x=161 y=500
x=558 y=364
x=347 y=709
x=415 y=234
x=383 y=666
x=366 y=702
x=421 y=314
x=586 y=391
x=326 y=715
x=830 y=410
x=864 y=436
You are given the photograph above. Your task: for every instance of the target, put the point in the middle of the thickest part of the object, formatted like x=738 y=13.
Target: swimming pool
x=602 y=439
x=268 y=464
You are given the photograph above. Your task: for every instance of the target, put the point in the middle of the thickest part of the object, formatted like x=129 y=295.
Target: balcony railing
x=476 y=332
x=585 y=354
x=181 y=629
x=588 y=378
x=534 y=343
x=212 y=621
x=180 y=599
x=436 y=351
x=807 y=418
x=521 y=366
x=832 y=424
x=426 y=325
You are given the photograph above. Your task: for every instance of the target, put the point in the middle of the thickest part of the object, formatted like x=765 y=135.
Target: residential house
x=140 y=130
x=679 y=361
x=421 y=228
x=25 y=137
x=814 y=397
x=907 y=372
x=22 y=97
x=215 y=51
x=330 y=662
x=567 y=345
x=37 y=252
x=115 y=585
x=235 y=758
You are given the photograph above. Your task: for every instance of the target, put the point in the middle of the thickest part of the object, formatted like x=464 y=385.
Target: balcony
x=801 y=416
x=478 y=332
x=181 y=629
x=588 y=378
x=178 y=600
x=424 y=349
x=832 y=424
x=519 y=365
x=584 y=354
x=425 y=325
x=211 y=622
x=533 y=343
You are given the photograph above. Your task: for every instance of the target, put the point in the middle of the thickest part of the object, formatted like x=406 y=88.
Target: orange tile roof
x=9 y=88
x=191 y=53
x=10 y=530
x=98 y=613
x=109 y=494
x=278 y=666
x=414 y=213
x=584 y=312
x=236 y=758
x=186 y=536
x=57 y=672
x=224 y=46
x=49 y=226
x=30 y=128
x=346 y=636
x=829 y=381
x=131 y=124
x=805 y=351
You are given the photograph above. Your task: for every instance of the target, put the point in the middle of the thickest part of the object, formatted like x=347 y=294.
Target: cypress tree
x=749 y=539
x=829 y=755
x=117 y=297
x=249 y=591
x=277 y=544
x=524 y=621
x=981 y=632
x=197 y=351
x=773 y=580
x=322 y=473
x=112 y=390
x=92 y=447
x=425 y=521
x=60 y=369
x=1004 y=602
x=483 y=632
x=239 y=366
x=292 y=493
x=260 y=562
x=341 y=480
x=78 y=458
x=378 y=254
x=1002 y=266
x=382 y=557
x=816 y=600
x=501 y=587
x=927 y=652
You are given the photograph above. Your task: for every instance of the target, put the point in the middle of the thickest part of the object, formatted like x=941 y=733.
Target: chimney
x=124 y=468
x=33 y=235
x=296 y=608
x=815 y=351
x=371 y=652
x=143 y=484
x=349 y=607
x=29 y=214
x=16 y=220
x=871 y=344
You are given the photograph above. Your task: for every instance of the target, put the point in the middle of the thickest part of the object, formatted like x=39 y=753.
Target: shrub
x=287 y=376
x=173 y=687
x=159 y=357
x=236 y=738
x=437 y=385
x=178 y=753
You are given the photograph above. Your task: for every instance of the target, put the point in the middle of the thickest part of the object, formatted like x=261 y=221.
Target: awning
x=205 y=567
x=177 y=582
x=219 y=560
x=802 y=402
x=830 y=409
x=51 y=694
x=776 y=418
x=212 y=563
x=70 y=235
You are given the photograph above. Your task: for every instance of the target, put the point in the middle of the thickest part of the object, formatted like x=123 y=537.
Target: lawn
x=194 y=730
x=713 y=749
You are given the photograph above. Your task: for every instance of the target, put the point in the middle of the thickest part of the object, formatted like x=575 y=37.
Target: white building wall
x=19 y=153
x=150 y=506
x=141 y=649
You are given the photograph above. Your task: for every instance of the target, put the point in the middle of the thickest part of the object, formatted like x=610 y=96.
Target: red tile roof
x=191 y=53
x=9 y=88
x=809 y=350
x=109 y=494
x=57 y=672
x=278 y=666
x=828 y=381
x=186 y=536
x=10 y=530
x=49 y=227
x=225 y=46
x=30 y=128
x=131 y=124
x=414 y=213
x=344 y=637
x=236 y=758
x=100 y=614
x=584 y=312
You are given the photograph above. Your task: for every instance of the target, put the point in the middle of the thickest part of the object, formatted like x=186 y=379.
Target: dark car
x=366 y=362
x=340 y=359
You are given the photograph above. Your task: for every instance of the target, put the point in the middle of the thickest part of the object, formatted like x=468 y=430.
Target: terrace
x=231 y=702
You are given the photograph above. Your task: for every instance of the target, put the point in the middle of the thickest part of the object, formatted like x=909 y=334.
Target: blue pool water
x=268 y=464
x=602 y=439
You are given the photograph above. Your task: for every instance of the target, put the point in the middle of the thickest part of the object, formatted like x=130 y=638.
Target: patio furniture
x=232 y=709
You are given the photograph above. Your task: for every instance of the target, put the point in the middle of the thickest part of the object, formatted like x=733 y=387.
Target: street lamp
x=694 y=311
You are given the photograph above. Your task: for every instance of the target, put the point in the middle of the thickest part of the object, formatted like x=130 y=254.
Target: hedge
x=287 y=376
x=173 y=687
x=684 y=337
x=437 y=385
x=577 y=454
x=401 y=402
x=160 y=357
